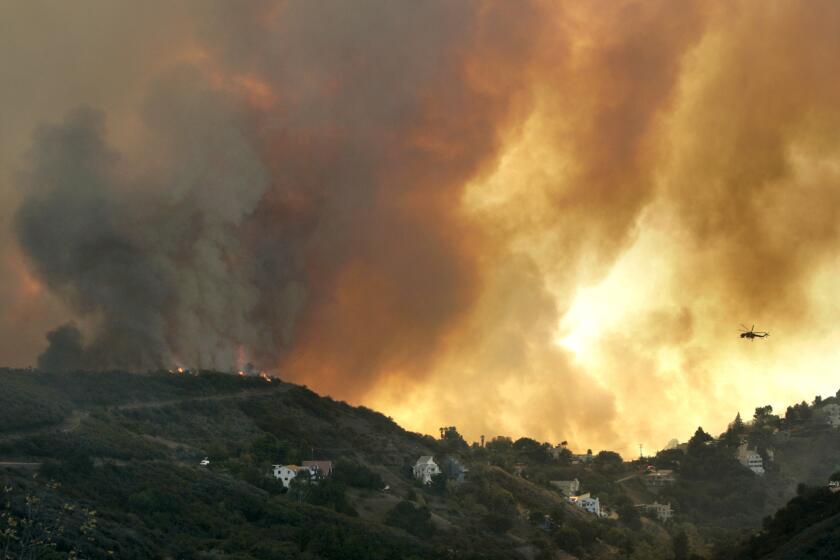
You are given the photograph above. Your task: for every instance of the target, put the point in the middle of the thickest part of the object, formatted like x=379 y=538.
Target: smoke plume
x=521 y=218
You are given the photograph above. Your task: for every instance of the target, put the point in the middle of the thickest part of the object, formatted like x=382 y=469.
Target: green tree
x=413 y=519
x=669 y=459
x=329 y=493
x=356 y=475
x=268 y=448
x=451 y=441
x=680 y=546
x=732 y=436
x=499 y=444
x=627 y=513
x=438 y=484
x=762 y=413
x=530 y=450
x=608 y=458
x=497 y=522
x=698 y=441
x=568 y=538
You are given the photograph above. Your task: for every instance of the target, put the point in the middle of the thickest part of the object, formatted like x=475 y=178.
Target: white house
x=558 y=450
x=663 y=512
x=287 y=472
x=832 y=414
x=587 y=503
x=750 y=459
x=425 y=468
x=567 y=487
x=583 y=457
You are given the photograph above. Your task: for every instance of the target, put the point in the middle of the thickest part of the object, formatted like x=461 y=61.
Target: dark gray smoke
x=65 y=351
x=73 y=227
x=288 y=196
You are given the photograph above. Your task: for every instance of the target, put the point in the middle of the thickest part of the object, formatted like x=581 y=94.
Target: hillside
x=808 y=527
x=107 y=465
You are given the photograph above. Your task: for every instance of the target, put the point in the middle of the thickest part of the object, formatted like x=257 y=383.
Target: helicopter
x=752 y=333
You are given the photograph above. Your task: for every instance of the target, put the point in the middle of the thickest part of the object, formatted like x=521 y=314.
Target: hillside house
x=567 y=487
x=751 y=459
x=587 y=503
x=454 y=470
x=425 y=468
x=831 y=413
x=285 y=473
x=558 y=450
x=583 y=457
x=662 y=512
x=320 y=469
x=659 y=477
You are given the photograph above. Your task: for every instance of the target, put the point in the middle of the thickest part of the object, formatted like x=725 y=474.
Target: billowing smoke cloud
x=519 y=218
x=293 y=198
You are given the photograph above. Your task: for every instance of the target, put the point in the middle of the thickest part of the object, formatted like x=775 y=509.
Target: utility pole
x=641 y=455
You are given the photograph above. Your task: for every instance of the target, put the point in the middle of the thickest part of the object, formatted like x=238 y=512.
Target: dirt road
x=75 y=419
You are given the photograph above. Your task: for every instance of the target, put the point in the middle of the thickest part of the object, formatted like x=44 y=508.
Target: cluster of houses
x=571 y=490
x=313 y=470
x=424 y=470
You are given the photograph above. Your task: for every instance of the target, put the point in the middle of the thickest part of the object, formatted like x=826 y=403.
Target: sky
x=519 y=218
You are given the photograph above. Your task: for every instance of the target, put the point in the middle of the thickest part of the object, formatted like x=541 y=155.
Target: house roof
x=293 y=468
x=426 y=459
x=324 y=466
